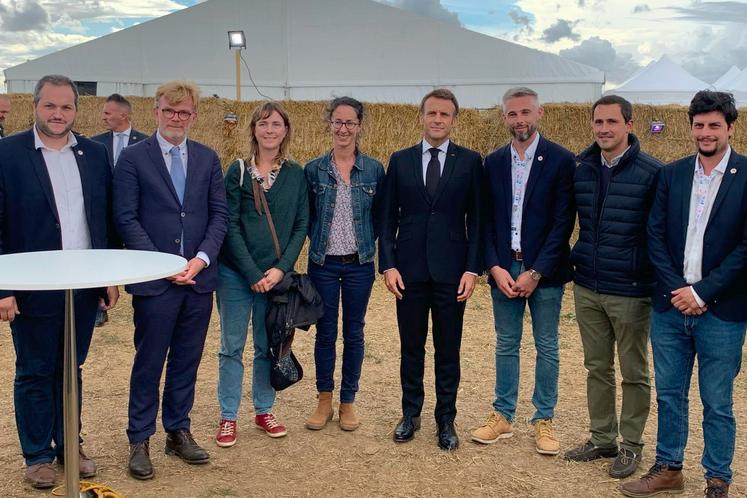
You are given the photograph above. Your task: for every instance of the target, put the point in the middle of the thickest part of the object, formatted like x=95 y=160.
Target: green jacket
x=248 y=247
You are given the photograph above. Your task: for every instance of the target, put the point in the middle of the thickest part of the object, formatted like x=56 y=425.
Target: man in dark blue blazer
x=530 y=199
x=429 y=253
x=116 y=118
x=55 y=193
x=698 y=246
x=169 y=197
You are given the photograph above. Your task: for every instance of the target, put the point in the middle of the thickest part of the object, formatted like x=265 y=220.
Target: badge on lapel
x=540 y=158
x=80 y=152
x=733 y=171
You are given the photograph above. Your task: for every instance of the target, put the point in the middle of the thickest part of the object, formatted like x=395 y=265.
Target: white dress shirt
x=68 y=192
x=519 y=176
x=702 y=196
x=166 y=147
x=425 y=150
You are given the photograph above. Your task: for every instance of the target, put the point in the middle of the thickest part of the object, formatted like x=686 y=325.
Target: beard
x=46 y=130
x=524 y=136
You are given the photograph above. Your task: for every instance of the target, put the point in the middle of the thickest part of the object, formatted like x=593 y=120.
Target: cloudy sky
x=618 y=36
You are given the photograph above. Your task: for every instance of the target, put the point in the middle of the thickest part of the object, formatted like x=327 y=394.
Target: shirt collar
x=720 y=167
x=126 y=132
x=166 y=146
x=529 y=154
x=38 y=144
x=615 y=160
x=444 y=147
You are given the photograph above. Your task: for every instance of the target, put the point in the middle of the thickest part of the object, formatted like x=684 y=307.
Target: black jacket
x=610 y=256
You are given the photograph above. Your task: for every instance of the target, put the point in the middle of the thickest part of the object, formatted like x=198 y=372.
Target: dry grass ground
x=366 y=462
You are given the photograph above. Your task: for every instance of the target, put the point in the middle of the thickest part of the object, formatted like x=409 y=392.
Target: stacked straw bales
x=388 y=127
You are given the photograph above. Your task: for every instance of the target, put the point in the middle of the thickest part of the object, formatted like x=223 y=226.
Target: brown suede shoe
x=349 y=421
x=716 y=488
x=86 y=466
x=41 y=475
x=659 y=479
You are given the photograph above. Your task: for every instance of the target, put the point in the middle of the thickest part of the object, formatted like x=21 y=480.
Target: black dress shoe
x=447 y=436
x=588 y=452
x=406 y=428
x=140 y=466
x=182 y=444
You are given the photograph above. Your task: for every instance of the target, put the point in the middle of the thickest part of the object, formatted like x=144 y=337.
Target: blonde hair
x=178 y=91
x=263 y=111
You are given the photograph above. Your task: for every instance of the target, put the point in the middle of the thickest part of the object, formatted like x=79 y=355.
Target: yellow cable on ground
x=97 y=490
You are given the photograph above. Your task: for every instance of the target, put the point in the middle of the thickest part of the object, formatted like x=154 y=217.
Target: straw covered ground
x=366 y=462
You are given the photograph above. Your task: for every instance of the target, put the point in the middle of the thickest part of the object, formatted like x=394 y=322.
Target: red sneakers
x=226 y=435
x=268 y=423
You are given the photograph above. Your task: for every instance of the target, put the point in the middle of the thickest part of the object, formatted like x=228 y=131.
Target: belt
x=517 y=255
x=344 y=259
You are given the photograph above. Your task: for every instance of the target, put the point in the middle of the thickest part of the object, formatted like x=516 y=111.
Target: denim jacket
x=366 y=181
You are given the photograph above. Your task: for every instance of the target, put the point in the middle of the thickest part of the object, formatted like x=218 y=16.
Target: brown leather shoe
x=41 y=475
x=716 y=488
x=86 y=466
x=658 y=479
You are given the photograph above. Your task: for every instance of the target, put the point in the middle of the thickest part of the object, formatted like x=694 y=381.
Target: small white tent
x=738 y=87
x=724 y=83
x=312 y=50
x=661 y=82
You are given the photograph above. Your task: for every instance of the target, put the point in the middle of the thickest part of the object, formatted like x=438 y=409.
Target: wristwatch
x=535 y=275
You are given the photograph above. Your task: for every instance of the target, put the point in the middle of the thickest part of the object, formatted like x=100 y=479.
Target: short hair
x=709 y=101
x=56 y=80
x=263 y=111
x=178 y=91
x=519 y=91
x=625 y=107
x=118 y=99
x=440 y=93
x=348 y=101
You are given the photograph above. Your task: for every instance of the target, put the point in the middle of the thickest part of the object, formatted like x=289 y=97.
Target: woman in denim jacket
x=344 y=192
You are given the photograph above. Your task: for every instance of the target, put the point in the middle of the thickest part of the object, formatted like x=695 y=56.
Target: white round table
x=80 y=269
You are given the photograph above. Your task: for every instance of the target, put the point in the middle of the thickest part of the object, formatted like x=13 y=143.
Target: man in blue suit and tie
x=55 y=193
x=116 y=118
x=531 y=213
x=698 y=246
x=169 y=197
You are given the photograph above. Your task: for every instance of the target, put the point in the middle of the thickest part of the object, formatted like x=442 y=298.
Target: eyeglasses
x=182 y=115
x=349 y=125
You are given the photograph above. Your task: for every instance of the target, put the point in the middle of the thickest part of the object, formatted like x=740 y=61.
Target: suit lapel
x=732 y=170
x=156 y=157
x=449 y=164
x=535 y=171
x=192 y=161
x=134 y=137
x=40 y=168
x=417 y=171
x=86 y=181
x=684 y=184
x=110 y=147
x=505 y=177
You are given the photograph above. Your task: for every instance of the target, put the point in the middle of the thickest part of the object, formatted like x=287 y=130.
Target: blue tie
x=118 y=146
x=177 y=173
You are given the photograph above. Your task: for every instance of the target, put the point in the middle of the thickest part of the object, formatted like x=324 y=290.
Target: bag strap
x=270 y=224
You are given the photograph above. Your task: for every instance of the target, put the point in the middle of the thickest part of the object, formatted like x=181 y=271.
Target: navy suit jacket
x=432 y=239
x=547 y=217
x=724 y=266
x=149 y=217
x=107 y=139
x=28 y=214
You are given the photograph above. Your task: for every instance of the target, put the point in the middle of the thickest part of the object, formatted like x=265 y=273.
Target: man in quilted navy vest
x=614 y=187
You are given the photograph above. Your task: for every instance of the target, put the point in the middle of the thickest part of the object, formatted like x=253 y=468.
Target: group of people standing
x=442 y=216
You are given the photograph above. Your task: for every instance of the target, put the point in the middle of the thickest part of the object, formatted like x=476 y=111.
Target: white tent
x=725 y=81
x=661 y=82
x=738 y=86
x=312 y=50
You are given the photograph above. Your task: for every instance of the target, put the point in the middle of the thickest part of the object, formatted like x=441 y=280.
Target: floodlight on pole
x=237 y=42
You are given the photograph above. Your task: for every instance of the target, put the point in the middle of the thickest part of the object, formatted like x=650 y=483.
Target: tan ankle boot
x=322 y=414
x=349 y=421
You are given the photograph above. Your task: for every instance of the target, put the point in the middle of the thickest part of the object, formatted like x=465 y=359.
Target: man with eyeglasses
x=169 y=197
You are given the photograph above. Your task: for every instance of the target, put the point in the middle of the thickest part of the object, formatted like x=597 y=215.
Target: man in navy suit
x=430 y=255
x=530 y=199
x=116 y=118
x=55 y=193
x=698 y=246
x=169 y=197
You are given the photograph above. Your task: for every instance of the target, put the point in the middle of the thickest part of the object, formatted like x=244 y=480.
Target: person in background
x=169 y=197
x=344 y=193
x=249 y=266
x=116 y=118
x=697 y=242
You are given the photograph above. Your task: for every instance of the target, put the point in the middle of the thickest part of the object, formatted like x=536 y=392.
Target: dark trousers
x=418 y=299
x=169 y=328
x=38 y=394
x=354 y=280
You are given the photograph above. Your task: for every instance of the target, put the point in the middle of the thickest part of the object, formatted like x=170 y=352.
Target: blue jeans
x=355 y=281
x=544 y=304
x=237 y=303
x=676 y=340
